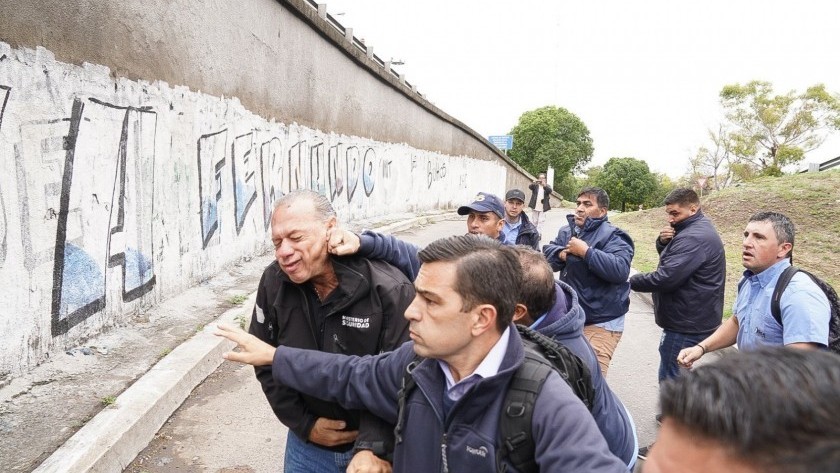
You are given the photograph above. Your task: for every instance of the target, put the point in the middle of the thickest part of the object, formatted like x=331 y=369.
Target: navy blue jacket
x=528 y=234
x=565 y=435
x=688 y=284
x=564 y=323
x=600 y=277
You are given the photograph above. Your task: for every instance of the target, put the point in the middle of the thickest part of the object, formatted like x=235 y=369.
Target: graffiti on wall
x=105 y=210
x=4 y=99
x=271 y=164
x=244 y=181
x=211 y=161
x=108 y=205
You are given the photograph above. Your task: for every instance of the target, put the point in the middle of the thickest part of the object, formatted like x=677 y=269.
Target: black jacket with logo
x=365 y=318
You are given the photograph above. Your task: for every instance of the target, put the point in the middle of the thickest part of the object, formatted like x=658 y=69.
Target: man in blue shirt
x=518 y=229
x=593 y=257
x=805 y=311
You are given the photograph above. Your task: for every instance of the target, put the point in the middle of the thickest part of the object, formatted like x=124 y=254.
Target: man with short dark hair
x=460 y=323
x=804 y=308
x=518 y=229
x=310 y=299
x=551 y=308
x=773 y=410
x=485 y=215
x=688 y=283
x=594 y=257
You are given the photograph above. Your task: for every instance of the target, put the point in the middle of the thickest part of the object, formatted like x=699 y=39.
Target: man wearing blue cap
x=485 y=216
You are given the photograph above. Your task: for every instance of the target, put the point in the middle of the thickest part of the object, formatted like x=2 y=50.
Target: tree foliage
x=771 y=131
x=714 y=161
x=627 y=181
x=551 y=136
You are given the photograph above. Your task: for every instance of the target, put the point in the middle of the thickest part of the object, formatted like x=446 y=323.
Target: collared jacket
x=564 y=323
x=528 y=234
x=600 y=277
x=465 y=439
x=365 y=319
x=545 y=202
x=688 y=284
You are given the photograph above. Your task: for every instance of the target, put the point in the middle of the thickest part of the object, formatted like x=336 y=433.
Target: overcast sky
x=644 y=76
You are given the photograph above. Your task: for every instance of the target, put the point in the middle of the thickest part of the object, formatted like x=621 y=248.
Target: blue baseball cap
x=484 y=202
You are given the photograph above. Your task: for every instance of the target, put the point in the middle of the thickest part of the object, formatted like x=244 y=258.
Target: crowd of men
x=381 y=356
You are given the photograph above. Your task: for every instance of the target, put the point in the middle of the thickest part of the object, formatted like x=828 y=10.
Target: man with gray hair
x=804 y=308
x=310 y=299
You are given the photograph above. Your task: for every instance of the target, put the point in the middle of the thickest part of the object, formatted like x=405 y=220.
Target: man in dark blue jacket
x=518 y=229
x=460 y=323
x=688 y=284
x=551 y=308
x=594 y=258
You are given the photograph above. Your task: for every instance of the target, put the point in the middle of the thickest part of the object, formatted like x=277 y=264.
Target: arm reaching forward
x=252 y=350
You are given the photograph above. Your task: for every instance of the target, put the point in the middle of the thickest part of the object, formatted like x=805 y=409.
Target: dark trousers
x=670 y=345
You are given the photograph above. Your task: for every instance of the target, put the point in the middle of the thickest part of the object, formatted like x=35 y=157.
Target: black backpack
x=542 y=356
x=830 y=293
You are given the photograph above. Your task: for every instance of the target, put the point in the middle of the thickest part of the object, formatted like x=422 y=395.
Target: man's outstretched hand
x=249 y=349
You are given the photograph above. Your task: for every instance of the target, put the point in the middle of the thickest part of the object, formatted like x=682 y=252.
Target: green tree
x=627 y=181
x=771 y=131
x=551 y=136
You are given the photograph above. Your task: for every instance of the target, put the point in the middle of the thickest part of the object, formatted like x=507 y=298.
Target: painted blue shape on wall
x=244 y=197
x=82 y=283
x=209 y=218
x=138 y=269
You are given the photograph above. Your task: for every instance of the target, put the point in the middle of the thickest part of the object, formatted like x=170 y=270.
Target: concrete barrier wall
x=116 y=194
x=142 y=143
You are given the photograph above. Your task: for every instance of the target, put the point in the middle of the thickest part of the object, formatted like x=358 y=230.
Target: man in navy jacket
x=460 y=323
x=551 y=308
x=688 y=284
x=594 y=258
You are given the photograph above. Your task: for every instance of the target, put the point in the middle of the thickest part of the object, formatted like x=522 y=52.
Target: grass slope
x=811 y=200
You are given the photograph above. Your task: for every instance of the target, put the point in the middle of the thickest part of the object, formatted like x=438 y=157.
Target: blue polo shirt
x=511 y=232
x=804 y=308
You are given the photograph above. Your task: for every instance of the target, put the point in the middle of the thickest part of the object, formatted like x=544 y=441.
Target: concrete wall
x=118 y=190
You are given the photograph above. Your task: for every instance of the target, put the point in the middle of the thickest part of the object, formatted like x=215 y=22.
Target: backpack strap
x=517 y=442
x=781 y=285
x=406 y=386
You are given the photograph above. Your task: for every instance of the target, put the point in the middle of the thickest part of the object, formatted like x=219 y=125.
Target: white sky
x=644 y=76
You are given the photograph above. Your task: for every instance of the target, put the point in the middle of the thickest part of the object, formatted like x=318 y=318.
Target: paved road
x=226 y=425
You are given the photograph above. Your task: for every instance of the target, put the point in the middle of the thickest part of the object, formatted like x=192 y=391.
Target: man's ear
x=784 y=250
x=520 y=313
x=484 y=319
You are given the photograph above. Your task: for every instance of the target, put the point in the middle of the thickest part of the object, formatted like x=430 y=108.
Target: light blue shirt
x=488 y=367
x=614 y=325
x=511 y=231
x=804 y=309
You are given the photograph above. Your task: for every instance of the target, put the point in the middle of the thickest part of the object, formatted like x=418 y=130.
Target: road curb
x=114 y=437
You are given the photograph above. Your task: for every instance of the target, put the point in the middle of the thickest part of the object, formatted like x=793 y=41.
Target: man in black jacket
x=518 y=229
x=688 y=284
x=336 y=304
x=540 y=201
